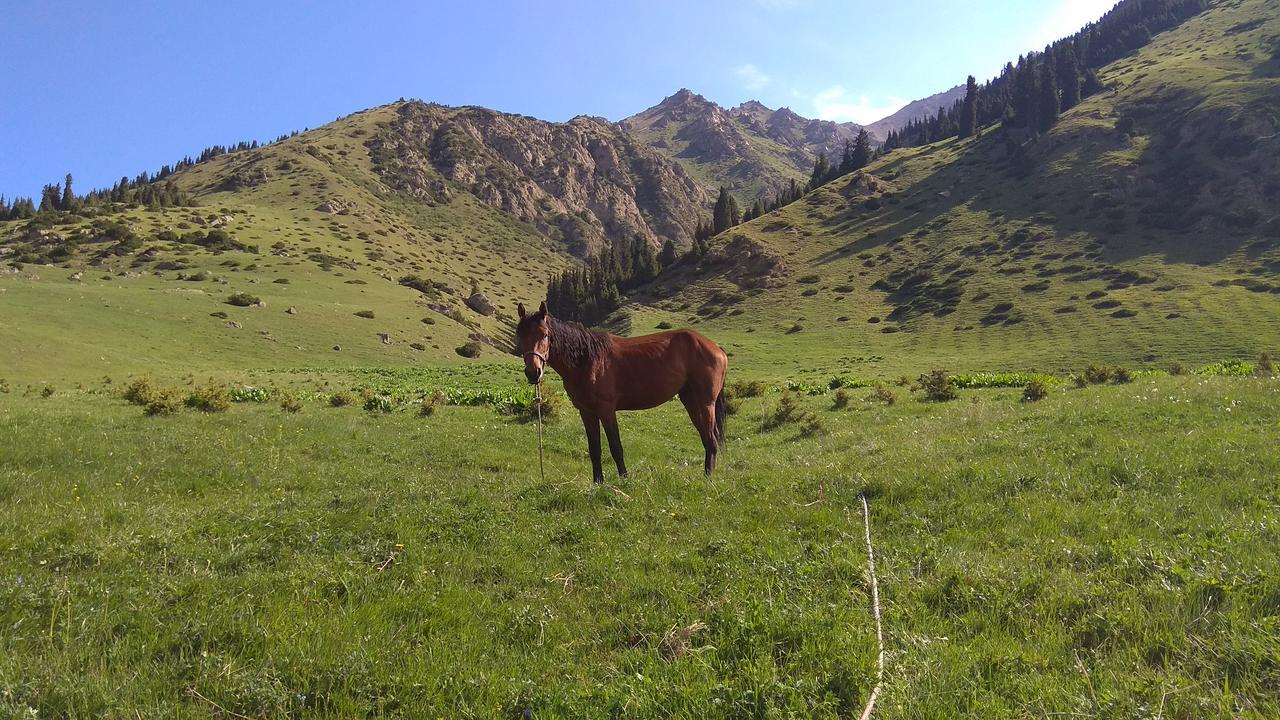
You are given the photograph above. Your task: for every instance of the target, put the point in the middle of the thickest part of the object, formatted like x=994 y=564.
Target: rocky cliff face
x=581 y=182
x=752 y=149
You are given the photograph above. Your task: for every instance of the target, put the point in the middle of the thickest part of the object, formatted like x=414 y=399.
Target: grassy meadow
x=1106 y=552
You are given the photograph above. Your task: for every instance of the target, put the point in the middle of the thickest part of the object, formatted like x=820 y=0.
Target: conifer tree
x=969 y=113
x=846 y=159
x=49 y=198
x=861 y=150
x=668 y=256
x=821 y=171
x=726 y=212
x=1049 y=107
x=68 y=197
x=1068 y=71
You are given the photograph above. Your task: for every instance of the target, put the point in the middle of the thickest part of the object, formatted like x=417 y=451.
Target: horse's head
x=533 y=341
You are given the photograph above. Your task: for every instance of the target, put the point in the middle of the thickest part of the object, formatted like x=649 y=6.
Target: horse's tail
x=722 y=410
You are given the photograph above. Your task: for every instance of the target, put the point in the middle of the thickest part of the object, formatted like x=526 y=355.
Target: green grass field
x=1106 y=552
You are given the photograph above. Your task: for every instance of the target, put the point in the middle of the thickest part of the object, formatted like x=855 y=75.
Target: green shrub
x=1035 y=391
x=468 y=350
x=47 y=391
x=745 y=389
x=883 y=395
x=139 y=391
x=1177 y=368
x=811 y=426
x=366 y=314
x=291 y=403
x=379 y=403
x=1228 y=368
x=1097 y=374
x=847 y=382
x=1266 y=367
x=731 y=405
x=787 y=411
x=1121 y=376
x=1079 y=381
x=427 y=406
x=937 y=386
x=797 y=327
x=4 y=386
x=211 y=398
x=242 y=299
x=249 y=393
x=525 y=407
x=342 y=398
x=841 y=400
x=967 y=381
x=664 y=325
x=162 y=402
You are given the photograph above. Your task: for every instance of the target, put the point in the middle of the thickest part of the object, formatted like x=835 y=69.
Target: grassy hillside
x=311 y=229
x=1142 y=229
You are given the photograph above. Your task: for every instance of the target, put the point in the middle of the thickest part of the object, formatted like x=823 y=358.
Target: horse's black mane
x=570 y=341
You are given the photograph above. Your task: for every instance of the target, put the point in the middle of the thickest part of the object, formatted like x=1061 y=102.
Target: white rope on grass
x=537 y=400
x=875 y=607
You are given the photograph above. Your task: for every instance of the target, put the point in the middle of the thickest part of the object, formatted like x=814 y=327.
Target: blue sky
x=105 y=89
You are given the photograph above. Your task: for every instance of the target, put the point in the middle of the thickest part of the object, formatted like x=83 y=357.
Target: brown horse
x=605 y=373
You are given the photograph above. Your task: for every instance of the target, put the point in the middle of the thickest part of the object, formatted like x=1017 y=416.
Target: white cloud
x=836 y=104
x=751 y=77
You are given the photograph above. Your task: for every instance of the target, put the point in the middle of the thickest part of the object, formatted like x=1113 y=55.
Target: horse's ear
x=543 y=309
x=520 y=310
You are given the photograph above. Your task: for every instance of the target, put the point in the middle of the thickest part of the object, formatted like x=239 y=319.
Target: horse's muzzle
x=533 y=374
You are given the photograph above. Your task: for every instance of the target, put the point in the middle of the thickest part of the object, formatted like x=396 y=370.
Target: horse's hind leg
x=702 y=411
x=610 y=422
x=591 y=424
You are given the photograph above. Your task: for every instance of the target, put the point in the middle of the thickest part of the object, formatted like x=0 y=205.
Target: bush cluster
x=211 y=398
x=937 y=386
x=242 y=299
x=1035 y=391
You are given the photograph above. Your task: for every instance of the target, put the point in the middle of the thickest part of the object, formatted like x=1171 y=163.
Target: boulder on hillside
x=479 y=303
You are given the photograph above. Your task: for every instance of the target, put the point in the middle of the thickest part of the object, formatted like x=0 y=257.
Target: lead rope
x=537 y=400
x=875 y=607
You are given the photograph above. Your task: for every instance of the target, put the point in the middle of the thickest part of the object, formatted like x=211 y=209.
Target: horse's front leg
x=610 y=421
x=591 y=424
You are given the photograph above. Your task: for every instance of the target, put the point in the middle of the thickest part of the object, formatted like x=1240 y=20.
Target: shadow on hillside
x=1190 y=196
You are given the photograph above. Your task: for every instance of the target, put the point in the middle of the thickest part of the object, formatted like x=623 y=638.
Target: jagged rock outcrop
x=752 y=149
x=583 y=182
